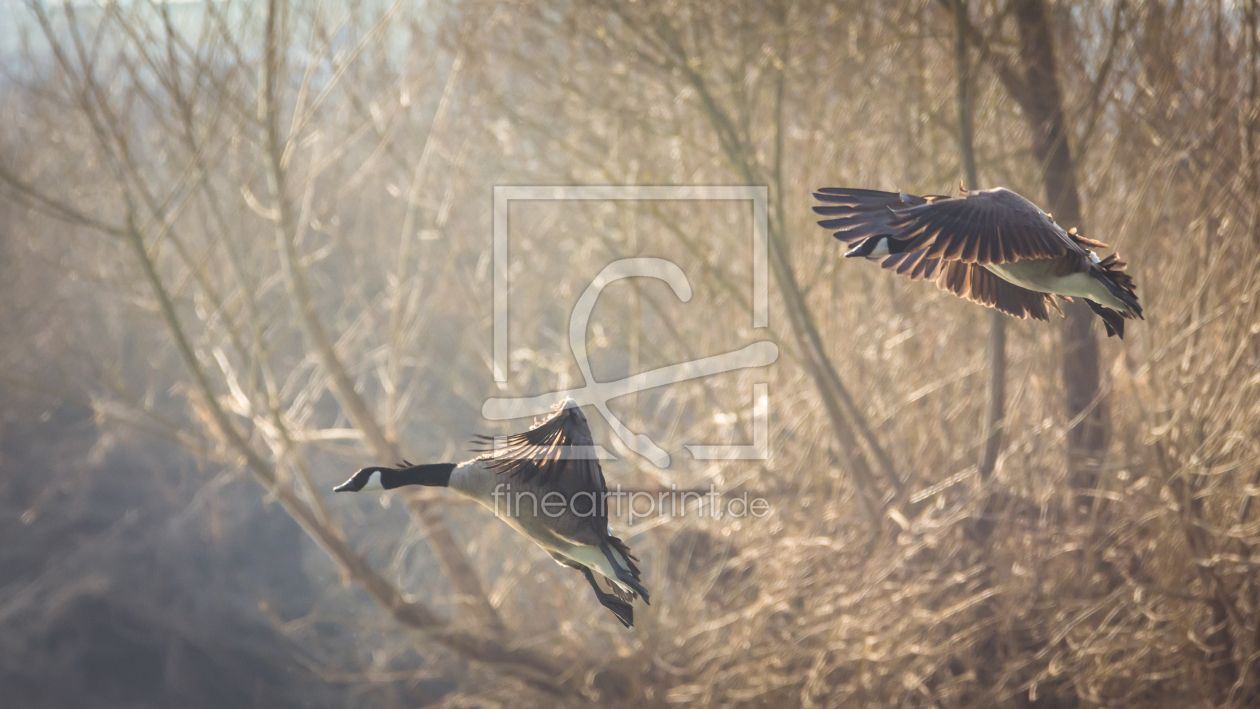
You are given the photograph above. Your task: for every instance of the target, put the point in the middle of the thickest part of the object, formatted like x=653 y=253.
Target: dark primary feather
x=860 y=213
x=525 y=456
x=560 y=444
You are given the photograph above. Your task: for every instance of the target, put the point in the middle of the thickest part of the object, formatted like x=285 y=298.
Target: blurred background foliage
x=247 y=250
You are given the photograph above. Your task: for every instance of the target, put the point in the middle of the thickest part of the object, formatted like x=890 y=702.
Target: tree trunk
x=1043 y=107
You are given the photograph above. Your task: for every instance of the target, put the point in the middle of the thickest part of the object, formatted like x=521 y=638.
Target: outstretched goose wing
x=557 y=453
x=986 y=227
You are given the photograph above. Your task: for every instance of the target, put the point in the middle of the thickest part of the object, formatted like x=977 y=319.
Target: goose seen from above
x=516 y=477
x=991 y=247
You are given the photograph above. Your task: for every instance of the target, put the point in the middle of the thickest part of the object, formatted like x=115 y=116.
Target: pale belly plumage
x=1040 y=275
x=525 y=520
x=594 y=559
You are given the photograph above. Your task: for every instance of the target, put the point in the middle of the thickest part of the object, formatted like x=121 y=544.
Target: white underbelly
x=594 y=559
x=1039 y=277
x=534 y=528
x=1026 y=274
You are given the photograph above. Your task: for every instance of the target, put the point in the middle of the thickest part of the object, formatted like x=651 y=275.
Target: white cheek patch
x=880 y=250
x=374 y=482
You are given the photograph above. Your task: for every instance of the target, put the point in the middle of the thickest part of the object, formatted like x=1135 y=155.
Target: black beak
x=354 y=484
x=864 y=248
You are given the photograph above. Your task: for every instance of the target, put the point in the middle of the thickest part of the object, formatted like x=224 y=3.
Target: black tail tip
x=1114 y=325
x=624 y=612
x=1113 y=320
x=643 y=593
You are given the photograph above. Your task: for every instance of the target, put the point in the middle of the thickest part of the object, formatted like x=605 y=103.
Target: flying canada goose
x=545 y=483
x=991 y=247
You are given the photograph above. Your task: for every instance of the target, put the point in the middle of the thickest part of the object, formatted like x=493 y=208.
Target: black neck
x=436 y=475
